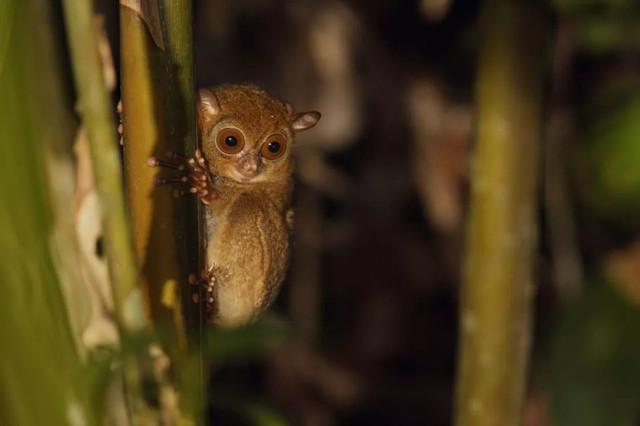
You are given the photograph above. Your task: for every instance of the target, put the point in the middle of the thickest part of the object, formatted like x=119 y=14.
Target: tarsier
x=243 y=175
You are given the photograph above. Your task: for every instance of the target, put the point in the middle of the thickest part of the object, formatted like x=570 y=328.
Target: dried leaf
x=100 y=328
x=149 y=12
x=442 y=132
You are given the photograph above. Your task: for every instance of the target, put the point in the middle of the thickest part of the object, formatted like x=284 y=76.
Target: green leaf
x=609 y=162
x=594 y=374
x=264 y=415
x=40 y=371
x=246 y=343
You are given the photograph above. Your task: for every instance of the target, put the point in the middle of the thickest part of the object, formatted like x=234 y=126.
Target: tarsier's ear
x=305 y=120
x=208 y=105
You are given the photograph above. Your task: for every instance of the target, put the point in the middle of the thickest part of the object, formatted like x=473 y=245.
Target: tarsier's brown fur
x=248 y=217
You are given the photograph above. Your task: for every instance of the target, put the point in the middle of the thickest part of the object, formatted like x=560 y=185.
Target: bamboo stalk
x=94 y=107
x=98 y=120
x=158 y=115
x=497 y=288
x=157 y=87
x=178 y=18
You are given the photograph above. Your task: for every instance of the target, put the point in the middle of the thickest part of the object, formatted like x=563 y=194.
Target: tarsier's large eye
x=230 y=140
x=274 y=146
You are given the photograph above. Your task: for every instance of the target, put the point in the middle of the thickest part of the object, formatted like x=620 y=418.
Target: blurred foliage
x=239 y=411
x=608 y=161
x=246 y=343
x=593 y=369
x=244 y=346
x=42 y=380
x=604 y=25
x=262 y=415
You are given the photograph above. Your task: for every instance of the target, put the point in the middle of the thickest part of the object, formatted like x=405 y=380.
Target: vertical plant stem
x=157 y=87
x=497 y=288
x=97 y=117
x=95 y=110
x=178 y=18
x=559 y=135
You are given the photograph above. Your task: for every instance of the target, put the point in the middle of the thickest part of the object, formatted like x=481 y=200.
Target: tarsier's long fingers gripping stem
x=193 y=174
x=244 y=177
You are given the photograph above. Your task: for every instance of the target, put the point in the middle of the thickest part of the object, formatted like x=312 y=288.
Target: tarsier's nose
x=248 y=165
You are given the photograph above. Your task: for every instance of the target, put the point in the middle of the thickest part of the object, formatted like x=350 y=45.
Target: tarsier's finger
x=156 y=162
x=153 y=162
x=169 y=180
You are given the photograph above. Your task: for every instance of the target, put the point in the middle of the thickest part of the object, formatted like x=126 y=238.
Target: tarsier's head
x=247 y=135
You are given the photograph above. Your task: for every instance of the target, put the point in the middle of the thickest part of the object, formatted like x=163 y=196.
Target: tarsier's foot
x=204 y=286
x=193 y=172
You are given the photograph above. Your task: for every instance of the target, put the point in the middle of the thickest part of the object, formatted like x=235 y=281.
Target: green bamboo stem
x=96 y=112
x=178 y=18
x=497 y=288
x=158 y=115
x=94 y=107
x=157 y=88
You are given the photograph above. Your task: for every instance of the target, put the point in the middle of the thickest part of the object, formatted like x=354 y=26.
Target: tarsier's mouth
x=243 y=177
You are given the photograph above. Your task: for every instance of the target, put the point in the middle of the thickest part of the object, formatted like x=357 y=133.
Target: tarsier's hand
x=193 y=173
